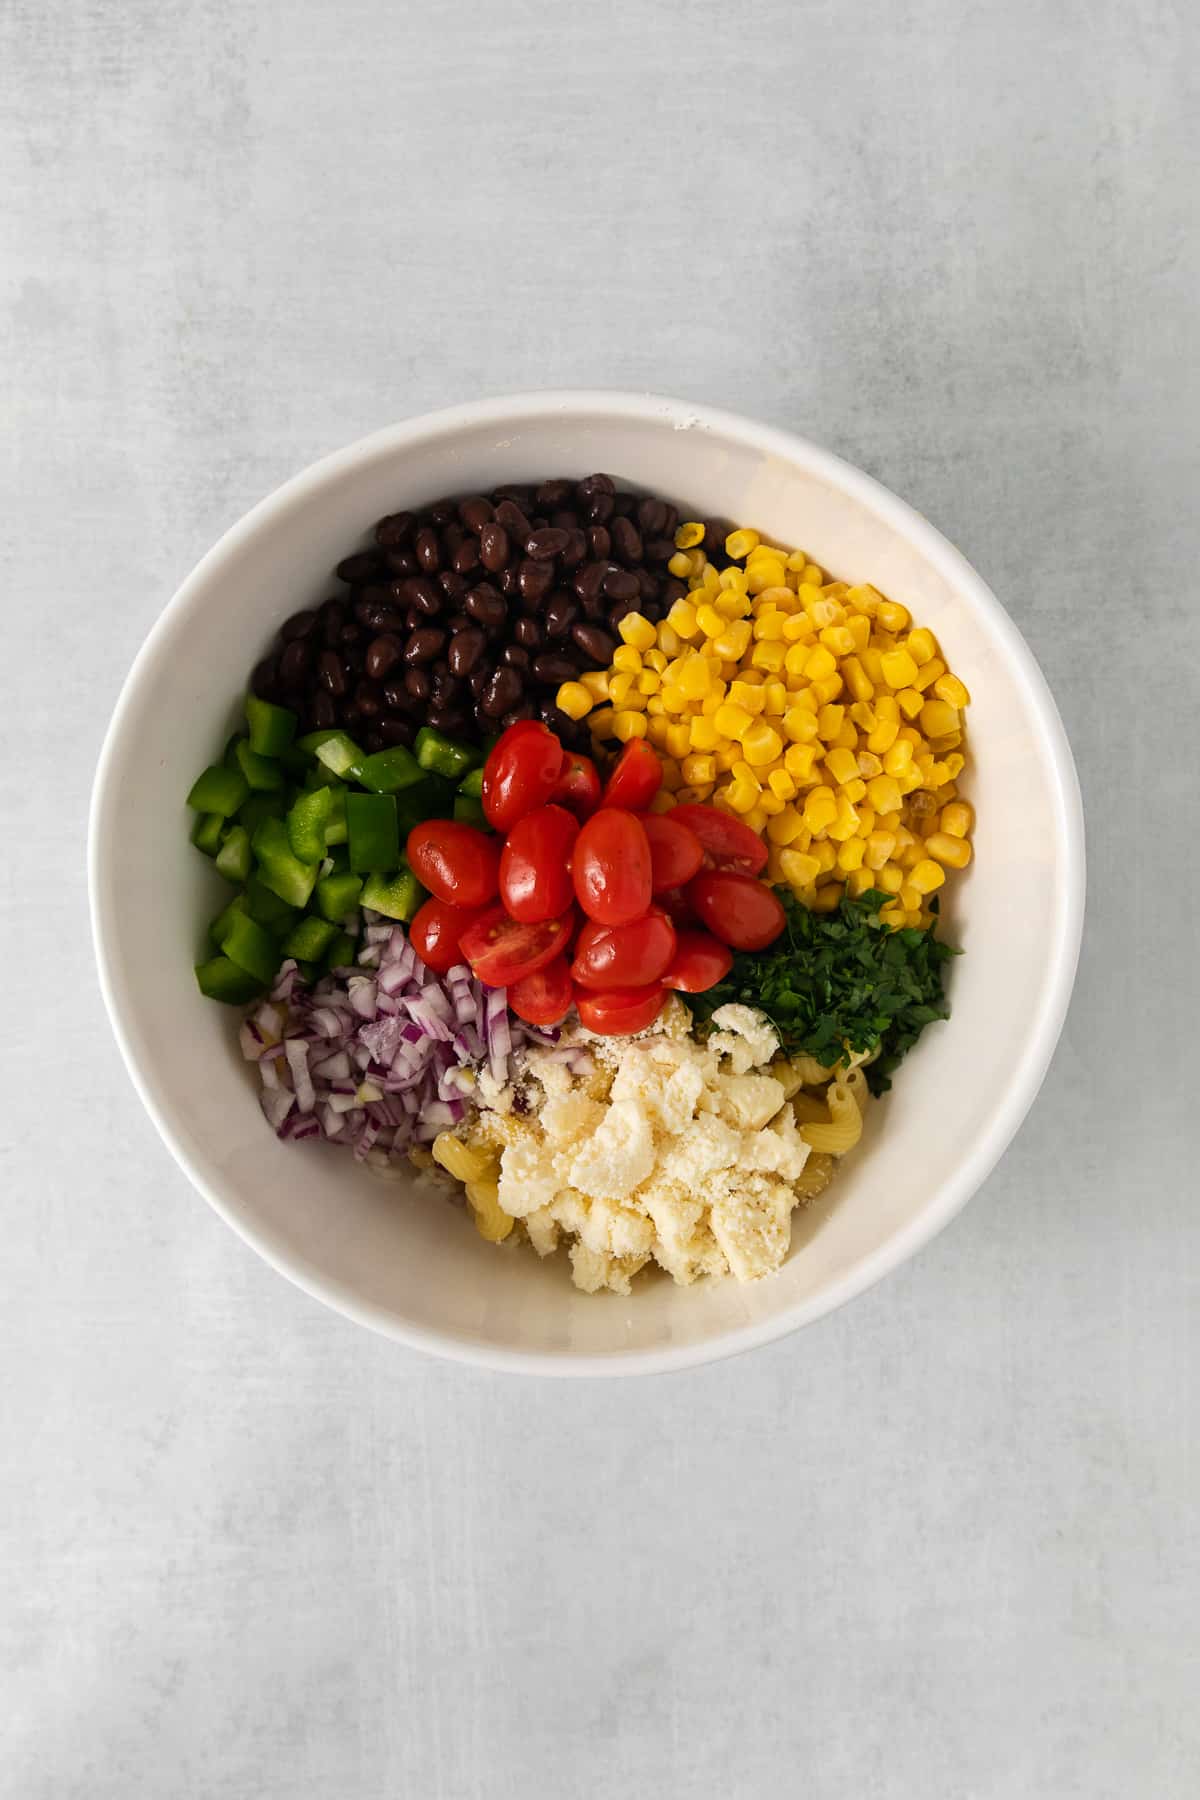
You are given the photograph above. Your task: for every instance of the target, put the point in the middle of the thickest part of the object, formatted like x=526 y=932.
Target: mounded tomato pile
x=583 y=897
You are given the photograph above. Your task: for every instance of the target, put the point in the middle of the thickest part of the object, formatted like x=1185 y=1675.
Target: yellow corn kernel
x=842 y=765
x=928 y=674
x=858 y=683
x=757 y=817
x=910 y=701
x=949 y=740
x=880 y=845
x=734 y=640
x=797 y=626
x=689 y=534
x=883 y=793
x=800 y=760
x=767 y=656
x=731 y=606
x=709 y=620
x=703 y=733
x=799 y=868
x=574 y=699
x=739 y=544
x=673 y=696
x=600 y=723
x=890 y=878
x=859 y=881
x=898 y=757
x=663 y=801
x=958 y=819
x=921 y=645
x=838 y=639
x=955 y=852
x=955 y=764
x=910 y=897
x=620 y=686
x=853 y=790
x=826 y=855
x=768 y=625
x=695 y=677
x=850 y=854
x=820 y=808
x=655 y=659
x=727 y=756
x=866 y=819
x=679 y=739
x=731 y=719
x=596 y=683
x=764 y=572
x=714 y=700
x=813 y=575
x=868 y=764
x=654 y=703
x=927 y=877
x=748 y=693
x=820 y=663
x=785 y=828
x=937 y=718
x=628 y=725
x=830 y=720
x=782 y=784
x=761 y=743
x=682 y=618
x=698 y=770
x=953 y=691
x=657 y=728
x=898 y=668
x=770 y=804
x=669 y=641
x=680 y=565
x=709 y=583
x=846 y=824
x=881 y=739
x=626 y=659
x=796 y=658
x=649 y=682
x=892 y=616
x=637 y=631
x=672 y=775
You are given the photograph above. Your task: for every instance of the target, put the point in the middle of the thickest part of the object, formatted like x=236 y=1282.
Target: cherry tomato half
x=728 y=844
x=620 y=1010
x=578 y=785
x=675 y=852
x=436 y=932
x=618 y=956
x=736 y=908
x=521 y=773
x=544 y=997
x=674 y=902
x=456 y=862
x=699 y=962
x=535 y=864
x=502 y=951
x=611 y=867
x=636 y=778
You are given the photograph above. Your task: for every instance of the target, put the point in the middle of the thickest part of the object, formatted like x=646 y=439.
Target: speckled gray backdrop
x=944 y=1544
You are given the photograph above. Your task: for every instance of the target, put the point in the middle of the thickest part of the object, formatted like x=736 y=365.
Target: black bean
x=576 y=550
x=265 y=680
x=368 y=697
x=383 y=653
x=466 y=557
x=323 y=710
x=420 y=592
x=525 y=710
x=647 y=585
x=528 y=633
x=442 y=511
x=331 y=672
x=542 y=545
x=514 y=520
x=594 y=643
x=424 y=644
x=333 y=617
x=428 y=550
x=599 y=542
x=558 y=721
x=475 y=513
x=715 y=533
x=485 y=605
x=449 y=719
x=553 y=493
x=534 y=580
x=394 y=728
x=623 y=505
x=671 y=591
x=501 y=692
x=418 y=683
x=589 y=580
x=494 y=548
x=552 y=670
x=600 y=509
x=509 y=580
x=599 y=608
x=561 y=613
x=362 y=566
x=401 y=562
x=620 y=584
x=520 y=491
x=466 y=647
x=392 y=530
x=396 y=694
x=295 y=663
x=626 y=541
x=596 y=484
x=444 y=689
x=659 y=550
x=478 y=679
x=374 y=740
x=513 y=656
x=651 y=517
x=298 y=626
x=621 y=609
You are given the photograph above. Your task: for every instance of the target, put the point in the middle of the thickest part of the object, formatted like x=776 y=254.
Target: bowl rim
x=1027 y=1074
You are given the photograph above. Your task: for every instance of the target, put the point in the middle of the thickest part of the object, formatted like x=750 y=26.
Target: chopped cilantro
x=840 y=980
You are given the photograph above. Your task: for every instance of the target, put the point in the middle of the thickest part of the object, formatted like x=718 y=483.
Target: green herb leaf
x=841 y=981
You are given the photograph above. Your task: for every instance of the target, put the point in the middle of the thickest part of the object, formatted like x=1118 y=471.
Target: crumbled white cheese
x=664 y=1148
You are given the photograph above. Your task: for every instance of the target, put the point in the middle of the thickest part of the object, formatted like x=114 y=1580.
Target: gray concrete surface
x=944 y=1544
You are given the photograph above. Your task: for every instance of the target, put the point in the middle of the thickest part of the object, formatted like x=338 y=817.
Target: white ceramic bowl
x=395 y=1257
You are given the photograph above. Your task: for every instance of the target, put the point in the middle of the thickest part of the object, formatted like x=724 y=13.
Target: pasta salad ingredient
x=840 y=984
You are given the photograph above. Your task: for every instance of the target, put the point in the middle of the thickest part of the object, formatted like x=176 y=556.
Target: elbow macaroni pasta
x=477 y=1172
x=844 y=1128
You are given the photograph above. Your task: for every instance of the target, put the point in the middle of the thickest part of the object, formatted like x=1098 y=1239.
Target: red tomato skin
x=520 y=774
x=699 y=962
x=535 y=864
x=742 y=912
x=620 y=1011
x=456 y=862
x=674 y=902
x=624 y=956
x=578 y=786
x=676 y=854
x=501 y=951
x=728 y=843
x=611 y=867
x=543 y=998
x=436 y=933
x=636 y=777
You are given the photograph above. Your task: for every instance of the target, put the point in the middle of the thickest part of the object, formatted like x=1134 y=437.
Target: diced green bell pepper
x=206 y=832
x=218 y=790
x=416 y=803
x=263 y=774
x=278 y=868
x=258 y=807
x=374 y=834
x=220 y=924
x=229 y=760
x=341 y=952
x=395 y=896
x=266 y=908
x=272 y=728
x=221 y=979
x=250 y=947
x=470 y=811
x=233 y=858
x=335 y=829
x=311 y=742
x=337 y=895
x=340 y=754
x=442 y=755
x=306 y=824
x=389 y=770
x=309 y=939
x=472 y=783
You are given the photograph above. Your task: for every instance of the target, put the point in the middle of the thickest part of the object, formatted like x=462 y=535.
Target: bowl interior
x=394 y=1253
